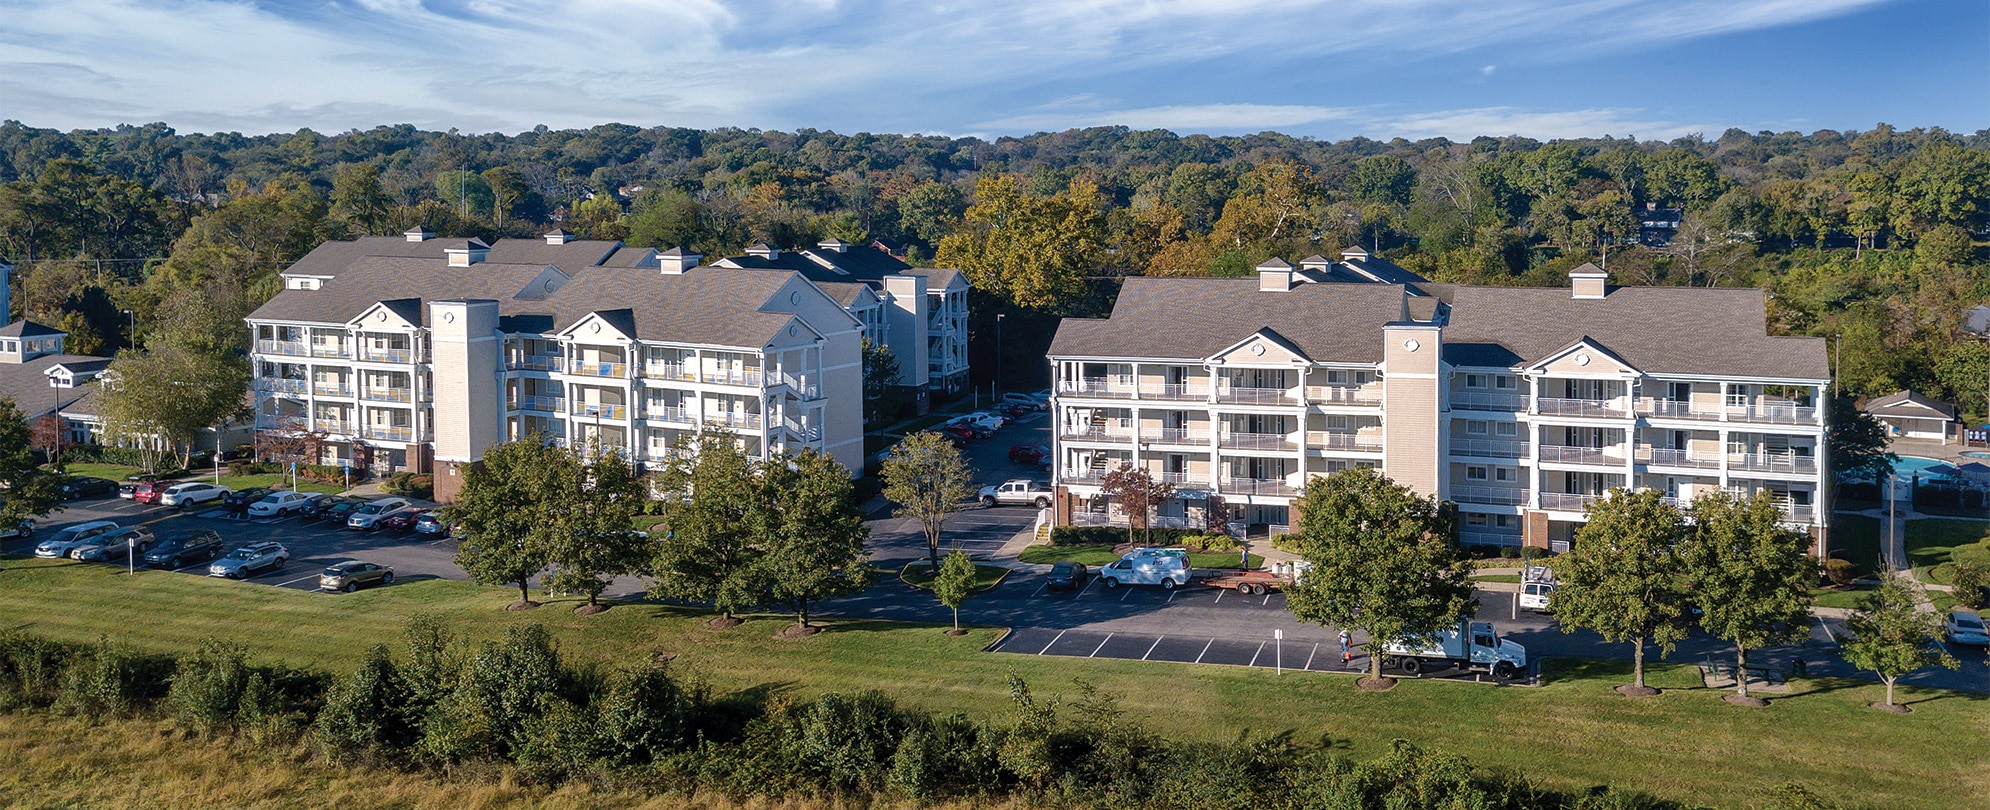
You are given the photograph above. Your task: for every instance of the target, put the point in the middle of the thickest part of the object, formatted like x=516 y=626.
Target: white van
x=1166 y=567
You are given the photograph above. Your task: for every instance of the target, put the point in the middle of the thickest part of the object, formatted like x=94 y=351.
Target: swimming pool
x=1910 y=465
x=1977 y=453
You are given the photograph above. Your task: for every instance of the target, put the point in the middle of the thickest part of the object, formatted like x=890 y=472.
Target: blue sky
x=1326 y=68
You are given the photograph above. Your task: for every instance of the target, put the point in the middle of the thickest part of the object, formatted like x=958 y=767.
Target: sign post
x=1278 y=651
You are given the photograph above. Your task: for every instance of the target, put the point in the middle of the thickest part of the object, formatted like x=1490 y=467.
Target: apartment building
x=419 y=353
x=1520 y=405
x=920 y=313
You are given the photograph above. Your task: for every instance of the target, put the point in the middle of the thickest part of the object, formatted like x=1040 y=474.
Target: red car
x=402 y=521
x=1027 y=453
x=958 y=431
x=149 y=491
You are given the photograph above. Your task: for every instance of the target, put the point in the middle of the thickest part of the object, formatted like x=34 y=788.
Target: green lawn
x=985 y=576
x=1096 y=556
x=1856 y=538
x=1512 y=578
x=1572 y=733
x=1834 y=598
x=272 y=480
x=1932 y=543
x=119 y=472
x=115 y=472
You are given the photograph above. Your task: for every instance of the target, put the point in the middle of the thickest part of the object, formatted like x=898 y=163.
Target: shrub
x=31 y=669
x=207 y=686
x=1971 y=583
x=511 y=683
x=1214 y=542
x=646 y=716
x=559 y=744
x=1115 y=535
x=413 y=485
x=365 y=713
x=110 y=679
x=847 y=741
x=1840 y=571
x=265 y=715
x=944 y=757
x=240 y=466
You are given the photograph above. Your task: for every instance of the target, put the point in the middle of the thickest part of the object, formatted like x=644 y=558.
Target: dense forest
x=1872 y=238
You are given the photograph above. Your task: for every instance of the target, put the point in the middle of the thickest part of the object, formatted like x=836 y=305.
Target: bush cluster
x=515 y=705
x=1115 y=535
x=166 y=463
x=412 y=485
x=1948 y=497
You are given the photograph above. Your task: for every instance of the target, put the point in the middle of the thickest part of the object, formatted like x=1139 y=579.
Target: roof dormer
x=559 y=236
x=764 y=251
x=419 y=233
x=466 y=252
x=1274 y=275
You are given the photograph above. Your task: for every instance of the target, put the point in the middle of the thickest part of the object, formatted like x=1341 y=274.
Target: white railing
x=1499 y=496
x=1329 y=440
x=1256 y=396
x=386 y=355
x=333 y=426
x=1344 y=395
x=1773 y=413
x=1488 y=401
x=331 y=389
x=664 y=414
x=531 y=402
x=1180 y=478
x=536 y=362
x=617 y=370
x=1488 y=539
x=1663 y=457
x=602 y=410
x=1257 y=486
x=1772 y=462
x=282 y=385
x=1098 y=387
x=1178 y=436
x=1565 y=502
x=1258 y=441
x=1489 y=448
x=745 y=421
x=330 y=350
x=388 y=394
x=804 y=387
x=1676 y=409
x=1172 y=391
x=284 y=347
x=669 y=371
x=1092 y=434
x=392 y=433
x=748 y=377
x=1580 y=407
x=1563 y=454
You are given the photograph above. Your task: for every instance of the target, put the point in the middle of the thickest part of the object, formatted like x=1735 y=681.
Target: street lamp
x=55 y=417
x=131 y=328
x=995 y=391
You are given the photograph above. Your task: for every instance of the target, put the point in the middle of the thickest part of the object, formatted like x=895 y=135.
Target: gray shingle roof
x=1658 y=330
x=27 y=383
x=330 y=258
x=28 y=329
x=1193 y=318
x=1909 y=404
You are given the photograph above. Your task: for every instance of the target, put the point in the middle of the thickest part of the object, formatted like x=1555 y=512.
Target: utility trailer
x=1257 y=583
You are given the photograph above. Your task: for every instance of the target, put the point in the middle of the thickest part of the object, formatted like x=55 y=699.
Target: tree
x=507 y=536
x=1382 y=562
x=1621 y=577
x=1750 y=576
x=47 y=438
x=467 y=193
x=713 y=501
x=1856 y=441
x=955 y=583
x=926 y=478
x=1137 y=493
x=812 y=535
x=359 y=200
x=31 y=490
x=508 y=189
x=881 y=373
x=1029 y=250
x=592 y=510
x=159 y=397
x=1892 y=636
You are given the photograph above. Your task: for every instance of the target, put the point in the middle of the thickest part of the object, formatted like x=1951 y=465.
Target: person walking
x=1346 y=648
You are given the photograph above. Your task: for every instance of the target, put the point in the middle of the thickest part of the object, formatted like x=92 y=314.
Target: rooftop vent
x=559 y=236
x=419 y=233
x=1353 y=254
x=1274 y=276
x=834 y=244
x=675 y=261
x=1589 y=281
x=764 y=251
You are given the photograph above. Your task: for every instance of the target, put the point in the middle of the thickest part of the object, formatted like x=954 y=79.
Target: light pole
x=131 y=328
x=995 y=391
x=55 y=418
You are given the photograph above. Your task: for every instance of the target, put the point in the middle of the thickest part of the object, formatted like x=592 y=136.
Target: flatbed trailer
x=1253 y=583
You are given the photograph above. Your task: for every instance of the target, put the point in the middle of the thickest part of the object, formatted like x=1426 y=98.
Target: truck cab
x=1472 y=646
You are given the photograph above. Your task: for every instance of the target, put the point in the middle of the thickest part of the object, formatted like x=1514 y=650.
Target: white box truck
x=1166 y=567
x=1470 y=645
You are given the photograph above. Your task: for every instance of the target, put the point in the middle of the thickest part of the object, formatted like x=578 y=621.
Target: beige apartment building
x=1520 y=405
x=417 y=353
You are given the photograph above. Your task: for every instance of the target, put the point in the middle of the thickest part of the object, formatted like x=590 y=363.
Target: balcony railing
x=378 y=355
x=1609 y=408
x=1329 y=440
x=1258 y=441
x=1090 y=477
x=1097 y=387
x=1344 y=395
x=283 y=347
x=332 y=426
x=1564 y=454
x=803 y=432
x=1676 y=409
x=1256 y=396
x=330 y=350
x=1565 y=502
x=1182 y=436
x=804 y=387
x=602 y=410
x=1773 y=413
x=1084 y=433
x=670 y=371
x=534 y=402
x=1488 y=401
x=382 y=394
x=536 y=362
x=1773 y=463
x=1663 y=457
x=392 y=433
x=282 y=385
x=665 y=414
x=1258 y=486
x=1181 y=478
x=331 y=389
x=741 y=421
x=1498 y=496
x=1174 y=392
x=749 y=377
x=1489 y=538
x=617 y=370
x=1489 y=448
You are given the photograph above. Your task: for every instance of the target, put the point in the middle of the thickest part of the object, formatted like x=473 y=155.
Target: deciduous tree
x=955 y=583
x=926 y=478
x=1622 y=577
x=30 y=490
x=507 y=536
x=1750 y=576
x=592 y=507
x=811 y=534
x=1137 y=493
x=1892 y=636
x=713 y=501
x=1029 y=250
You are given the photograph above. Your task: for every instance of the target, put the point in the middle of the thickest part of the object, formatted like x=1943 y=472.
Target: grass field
x=1096 y=556
x=1833 y=598
x=985 y=576
x=1933 y=543
x=1573 y=732
x=118 y=472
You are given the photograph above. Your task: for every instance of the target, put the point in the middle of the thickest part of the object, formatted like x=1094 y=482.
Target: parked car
x=191 y=493
x=239 y=500
x=402 y=520
x=59 y=544
x=83 y=486
x=180 y=551
x=1962 y=627
x=280 y=503
x=1066 y=575
x=250 y=560
x=960 y=434
x=433 y=522
x=1028 y=453
x=149 y=491
x=1016 y=491
x=1025 y=400
x=1013 y=411
x=367 y=516
x=129 y=486
x=988 y=419
x=351 y=575
x=972 y=429
x=332 y=510
x=25 y=528
x=118 y=544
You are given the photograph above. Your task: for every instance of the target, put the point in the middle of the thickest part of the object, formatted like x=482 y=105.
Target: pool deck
x=1951 y=452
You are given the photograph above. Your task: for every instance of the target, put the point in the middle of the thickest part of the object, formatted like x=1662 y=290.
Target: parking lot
x=312 y=545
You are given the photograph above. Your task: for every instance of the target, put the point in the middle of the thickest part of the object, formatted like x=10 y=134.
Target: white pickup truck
x=1016 y=491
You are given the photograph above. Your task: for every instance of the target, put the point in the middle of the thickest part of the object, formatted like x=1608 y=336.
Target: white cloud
x=1542 y=124
x=1196 y=118
x=1488 y=70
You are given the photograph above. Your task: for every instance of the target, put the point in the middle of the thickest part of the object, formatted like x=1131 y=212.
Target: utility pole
x=995 y=391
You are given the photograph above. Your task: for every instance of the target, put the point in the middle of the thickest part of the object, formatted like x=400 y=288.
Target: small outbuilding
x=1909 y=415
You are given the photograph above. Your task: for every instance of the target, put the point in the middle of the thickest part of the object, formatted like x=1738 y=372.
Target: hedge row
x=1115 y=535
x=515 y=708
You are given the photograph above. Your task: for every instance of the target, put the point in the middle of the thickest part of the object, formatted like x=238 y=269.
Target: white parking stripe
x=297 y=580
x=1053 y=642
x=1219 y=594
x=1039 y=588
x=1827 y=630
x=1088 y=586
x=1129 y=592
x=1102 y=645
x=1254 y=656
x=1309 y=657
x=1205 y=651
x=1150 y=647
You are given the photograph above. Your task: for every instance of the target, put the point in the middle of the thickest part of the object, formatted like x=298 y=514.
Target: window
x=1504 y=382
x=1475 y=519
x=1506 y=428
x=1476 y=427
x=1506 y=521
x=1504 y=474
x=1475 y=381
x=1475 y=473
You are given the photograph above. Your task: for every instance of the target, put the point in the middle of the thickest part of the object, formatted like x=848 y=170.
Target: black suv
x=83 y=486
x=324 y=507
x=239 y=500
x=186 y=549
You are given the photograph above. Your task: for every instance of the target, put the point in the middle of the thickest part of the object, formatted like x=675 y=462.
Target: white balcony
x=1087 y=433
x=282 y=385
x=670 y=371
x=1593 y=408
x=614 y=370
x=1772 y=463
x=1259 y=441
x=681 y=416
x=331 y=389
x=1489 y=448
x=1187 y=437
x=1344 y=394
x=1257 y=396
x=1662 y=457
x=1591 y=456
x=1489 y=538
x=1567 y=502
x=735 y=421
x=536 y=362
x=1676 y=409
x=1258 y=486
x=391 y=433
x=747 y=377
x=600 y=410
x=377 y=355
x=1175 y=392
x=333 y=426
x=531 y=402
x=387 y=394
x=1098 y=387
x=1488 y=401
x=283 y=347
x=1775 y=413
x=332 y=350
x=1497 y=496
x=1330 y=440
